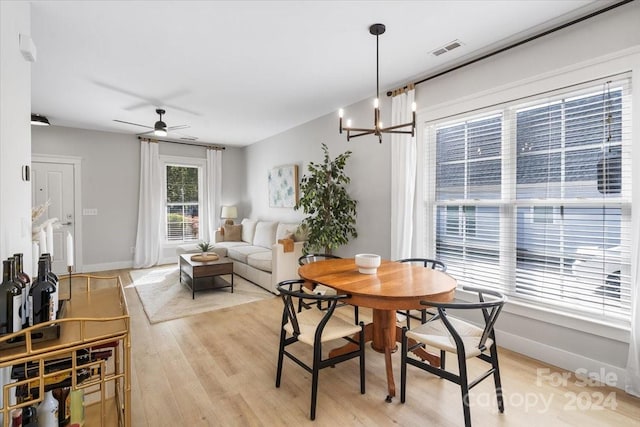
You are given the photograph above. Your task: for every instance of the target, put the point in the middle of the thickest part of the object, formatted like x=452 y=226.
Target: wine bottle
x=62 y=396
x=48 y=411
x=29 y=416
x=54 y=279
x=31 y=369
x=25 y=281
x=41 y=296
x=77 y=407
x=10 y=300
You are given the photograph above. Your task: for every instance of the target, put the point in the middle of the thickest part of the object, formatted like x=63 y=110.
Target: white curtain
x=150 y=212
x=403 y=178
x=633 y=361
x=212 y=191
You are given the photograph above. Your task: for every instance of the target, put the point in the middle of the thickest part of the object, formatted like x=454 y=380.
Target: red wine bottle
x=53 y=278
x=10 y=300
x=41 y=297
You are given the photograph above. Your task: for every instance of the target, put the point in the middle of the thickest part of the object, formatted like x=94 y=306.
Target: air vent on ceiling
x=446 y=48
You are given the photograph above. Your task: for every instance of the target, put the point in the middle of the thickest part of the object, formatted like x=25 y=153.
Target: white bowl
x=368 y=263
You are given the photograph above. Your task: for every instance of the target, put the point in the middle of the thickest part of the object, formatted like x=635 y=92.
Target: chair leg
x=496 y=377
x=317 y=354
x=403 y=365
x=362 y=378
x=283 y=334
x=356 y=313
x=464 y=389
x=443 y=359
x=408 y=314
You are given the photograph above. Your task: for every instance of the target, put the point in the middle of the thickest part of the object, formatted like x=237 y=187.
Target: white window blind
x=534 y=198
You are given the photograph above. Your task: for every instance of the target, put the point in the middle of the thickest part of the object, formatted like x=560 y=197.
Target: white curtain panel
x=403 y=178
x=150 y=210
x=212 y=194
x=633 y=361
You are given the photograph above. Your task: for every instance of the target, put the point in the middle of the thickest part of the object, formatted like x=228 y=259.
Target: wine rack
x=92 y=353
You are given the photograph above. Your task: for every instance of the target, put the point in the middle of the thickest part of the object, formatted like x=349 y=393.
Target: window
x=183 y=190
x=534 y=198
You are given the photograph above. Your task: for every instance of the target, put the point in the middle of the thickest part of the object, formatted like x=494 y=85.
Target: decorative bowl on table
x=367 y=263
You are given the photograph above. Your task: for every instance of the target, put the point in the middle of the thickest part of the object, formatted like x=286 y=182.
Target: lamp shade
x=229 y=212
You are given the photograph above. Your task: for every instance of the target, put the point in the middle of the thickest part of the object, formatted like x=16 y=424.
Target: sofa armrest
x=219 y=237
x=284 y=265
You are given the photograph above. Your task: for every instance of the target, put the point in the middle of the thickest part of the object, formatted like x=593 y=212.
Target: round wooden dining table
x=395 y=286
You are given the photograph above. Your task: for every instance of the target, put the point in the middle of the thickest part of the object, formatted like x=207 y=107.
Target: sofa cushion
x=286 y=231
x=240 y=253
x=265 y=235
x=260 y=260
x=248 y=230
x=232 y=233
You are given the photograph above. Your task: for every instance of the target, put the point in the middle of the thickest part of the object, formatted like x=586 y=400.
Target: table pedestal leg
x=383 y=334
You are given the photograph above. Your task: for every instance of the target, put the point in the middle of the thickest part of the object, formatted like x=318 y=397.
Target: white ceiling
x=237 y=72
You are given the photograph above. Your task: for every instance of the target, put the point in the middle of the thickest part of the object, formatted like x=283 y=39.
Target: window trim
x=180 y=161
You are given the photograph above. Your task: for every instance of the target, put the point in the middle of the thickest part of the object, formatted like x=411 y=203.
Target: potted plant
x=332 y=212
x=204 y=247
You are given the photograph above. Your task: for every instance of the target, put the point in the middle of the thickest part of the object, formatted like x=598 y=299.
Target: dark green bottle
x=10 y=299
x=41 y=296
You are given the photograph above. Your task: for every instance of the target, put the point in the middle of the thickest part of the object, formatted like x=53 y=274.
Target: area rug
x=165 y=298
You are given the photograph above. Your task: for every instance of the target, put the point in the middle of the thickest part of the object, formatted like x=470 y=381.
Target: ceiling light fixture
x=160 y=128
x=38 y=120
x=378 y=128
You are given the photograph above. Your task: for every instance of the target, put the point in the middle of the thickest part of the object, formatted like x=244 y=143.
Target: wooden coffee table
x=205 y=275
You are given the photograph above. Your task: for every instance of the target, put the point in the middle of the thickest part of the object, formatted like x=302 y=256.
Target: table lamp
x=229 y=213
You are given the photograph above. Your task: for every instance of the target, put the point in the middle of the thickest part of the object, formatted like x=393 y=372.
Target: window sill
x=611 y=330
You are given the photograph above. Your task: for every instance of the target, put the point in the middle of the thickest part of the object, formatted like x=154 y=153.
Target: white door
x=54 y=182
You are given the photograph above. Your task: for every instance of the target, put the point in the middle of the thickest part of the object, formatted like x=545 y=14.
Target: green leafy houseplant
x=332 y=212
x=205 y=246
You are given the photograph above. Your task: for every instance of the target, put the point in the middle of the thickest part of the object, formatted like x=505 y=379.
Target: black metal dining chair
x=314 y=328
x=321 y=289
x=464 y=339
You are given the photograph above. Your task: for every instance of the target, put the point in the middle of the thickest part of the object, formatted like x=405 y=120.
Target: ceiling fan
x=160 y=128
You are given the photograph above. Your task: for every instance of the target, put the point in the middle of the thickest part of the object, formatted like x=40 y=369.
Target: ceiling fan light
x=160 y=128
x=38 y=120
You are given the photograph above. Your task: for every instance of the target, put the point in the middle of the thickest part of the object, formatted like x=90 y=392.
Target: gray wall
x=110 y=164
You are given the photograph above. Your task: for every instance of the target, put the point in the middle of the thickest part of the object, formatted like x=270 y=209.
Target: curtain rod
x=521 y=42
x=212 y=147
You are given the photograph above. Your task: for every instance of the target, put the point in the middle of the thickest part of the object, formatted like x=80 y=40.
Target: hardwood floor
x=218 y=369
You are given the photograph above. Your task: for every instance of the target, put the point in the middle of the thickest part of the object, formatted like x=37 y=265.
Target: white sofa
x=257 y=256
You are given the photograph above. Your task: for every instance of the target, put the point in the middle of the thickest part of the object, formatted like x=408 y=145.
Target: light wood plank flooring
x=218 y=369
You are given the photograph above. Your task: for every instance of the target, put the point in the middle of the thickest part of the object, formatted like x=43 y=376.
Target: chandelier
x=378 y=128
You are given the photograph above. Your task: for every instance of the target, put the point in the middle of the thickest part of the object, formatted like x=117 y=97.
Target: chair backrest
x=309 y=258
x=426 y=262
x=490 y=311
x=290 y=293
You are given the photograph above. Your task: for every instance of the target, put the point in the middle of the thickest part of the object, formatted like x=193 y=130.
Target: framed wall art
x=283 y=186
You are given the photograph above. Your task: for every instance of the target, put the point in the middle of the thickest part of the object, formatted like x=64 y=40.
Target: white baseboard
x=90 y=268
x=614 y=376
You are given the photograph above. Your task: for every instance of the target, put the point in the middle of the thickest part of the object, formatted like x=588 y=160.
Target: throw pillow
x=232 y=233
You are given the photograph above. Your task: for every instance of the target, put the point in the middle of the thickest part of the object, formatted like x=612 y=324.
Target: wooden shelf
x=96 y=315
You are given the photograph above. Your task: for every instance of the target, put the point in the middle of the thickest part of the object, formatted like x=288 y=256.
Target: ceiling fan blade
x=145 y=133
x=170 y=128
x=134 y=124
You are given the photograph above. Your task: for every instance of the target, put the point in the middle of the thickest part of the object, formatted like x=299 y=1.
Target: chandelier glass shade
x=378 y=128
